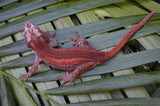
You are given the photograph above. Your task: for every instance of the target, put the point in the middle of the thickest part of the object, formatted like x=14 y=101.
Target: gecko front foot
x=66 y=78
x=25 y=76
x=51 y=41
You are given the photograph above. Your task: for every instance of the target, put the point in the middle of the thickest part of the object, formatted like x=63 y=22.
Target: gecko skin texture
x=77 y=59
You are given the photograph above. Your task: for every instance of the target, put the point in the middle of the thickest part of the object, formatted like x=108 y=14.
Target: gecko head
x=33 y=33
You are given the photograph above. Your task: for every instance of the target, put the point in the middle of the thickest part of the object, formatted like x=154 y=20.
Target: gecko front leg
x=81 y=42
x=32 y=70
x=50 y=40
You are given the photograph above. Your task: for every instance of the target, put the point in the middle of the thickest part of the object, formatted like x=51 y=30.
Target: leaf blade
x=121 y=102
x=114 y=64
x=51 y=14
x=107 y=84
x=24 y=7
x=98 y=42
x=6 y=95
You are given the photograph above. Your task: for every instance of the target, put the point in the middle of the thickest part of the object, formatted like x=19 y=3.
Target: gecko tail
x=119 y=46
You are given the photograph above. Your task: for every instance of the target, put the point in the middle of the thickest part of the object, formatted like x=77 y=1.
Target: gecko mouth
x=29 y=27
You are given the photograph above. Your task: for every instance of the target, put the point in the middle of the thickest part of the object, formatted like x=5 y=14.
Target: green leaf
x=107 y=84
x=6 y=95
x=98 y=42
x=87 y=30
x=13 y=48
x=5 y=2
x=112 y=65
x=21 y=62
x=121 y=102
x=24 y=7
x=51 y=14
x=105 y=40
x=156 y=94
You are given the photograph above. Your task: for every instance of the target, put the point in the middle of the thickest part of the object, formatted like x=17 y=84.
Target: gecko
x=77 y=59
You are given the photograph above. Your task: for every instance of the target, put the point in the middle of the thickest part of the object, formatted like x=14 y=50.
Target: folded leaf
x=112 y=65
x=24 y=7
x=107 y=84
x=121 y=102
x=6 y=95
x=98 y=42
x=5 y=2
x=52 y=14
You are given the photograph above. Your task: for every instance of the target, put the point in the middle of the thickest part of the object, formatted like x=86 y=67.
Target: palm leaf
x=114 y=64
x=87 y=30
x=6 y=93
x=5 y=2
x=22 y=8
x=107 y=84
x=123 y=102
x=103 y=23
x=51 y=14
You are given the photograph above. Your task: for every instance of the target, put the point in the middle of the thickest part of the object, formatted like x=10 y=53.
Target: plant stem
x=29 y=87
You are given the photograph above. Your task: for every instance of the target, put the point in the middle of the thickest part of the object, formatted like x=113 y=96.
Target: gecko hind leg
x=81 y=42
x=80 y=69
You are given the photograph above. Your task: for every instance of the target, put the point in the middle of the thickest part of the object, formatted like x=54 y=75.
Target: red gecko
x=77 y=59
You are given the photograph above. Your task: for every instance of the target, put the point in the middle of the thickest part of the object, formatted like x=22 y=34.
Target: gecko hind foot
x=66 y=78
x=79 y=41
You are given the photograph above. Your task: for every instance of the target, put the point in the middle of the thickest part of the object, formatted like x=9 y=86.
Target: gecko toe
x=66 y=78
x=25 y=76
x=61 y=78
